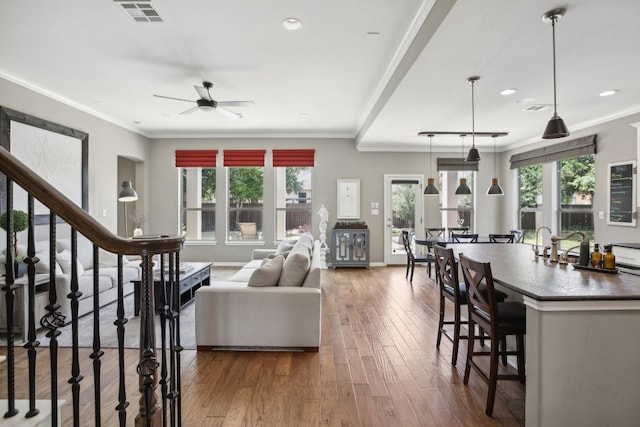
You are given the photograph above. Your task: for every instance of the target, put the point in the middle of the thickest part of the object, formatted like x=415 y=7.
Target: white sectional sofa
x=272 y=302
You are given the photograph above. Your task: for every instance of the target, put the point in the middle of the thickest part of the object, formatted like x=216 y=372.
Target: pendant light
x=556 y=127
x=430 y=189
x=473 y=155
x=494 y=189
x=463 y=188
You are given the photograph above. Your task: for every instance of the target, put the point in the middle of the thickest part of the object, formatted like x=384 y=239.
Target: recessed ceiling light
x=508 y=91
x=303 y=115
x=609 y=92
x=292 y=24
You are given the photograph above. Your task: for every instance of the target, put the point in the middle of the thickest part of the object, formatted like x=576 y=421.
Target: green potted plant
x=20 y=223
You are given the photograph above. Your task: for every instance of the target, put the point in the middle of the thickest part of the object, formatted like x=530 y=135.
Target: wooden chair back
x=464 y=238
x=458 y=230
x=447 y=269
x=502 y=238
x=434 y=232
x=483 y=306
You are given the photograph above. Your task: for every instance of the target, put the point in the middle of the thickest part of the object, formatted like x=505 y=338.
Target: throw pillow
x=294 y=269
x=268 y=274
x=64 y=259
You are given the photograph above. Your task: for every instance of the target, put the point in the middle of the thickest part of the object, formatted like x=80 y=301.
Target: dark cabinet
x=350 y=247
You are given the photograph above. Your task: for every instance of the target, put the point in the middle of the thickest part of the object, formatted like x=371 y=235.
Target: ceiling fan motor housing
x=207 y=103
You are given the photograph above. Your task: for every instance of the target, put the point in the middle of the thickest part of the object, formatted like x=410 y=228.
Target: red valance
x=293 y=158
x=196 y=158
x=244 y=158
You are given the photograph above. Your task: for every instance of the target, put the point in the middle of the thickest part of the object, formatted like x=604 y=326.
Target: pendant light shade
x=495 y=189
x=473 y=155
x=556 y=127
x=430 y=189
x=463 y=188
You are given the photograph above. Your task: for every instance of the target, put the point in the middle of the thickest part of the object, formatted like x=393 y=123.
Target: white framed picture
x=348 y=199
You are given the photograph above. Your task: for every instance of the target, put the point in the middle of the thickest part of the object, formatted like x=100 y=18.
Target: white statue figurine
x=323 y=213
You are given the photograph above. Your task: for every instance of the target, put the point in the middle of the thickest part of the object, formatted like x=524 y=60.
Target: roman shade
x=196 y=158
x=293 y=158
x=564 y=150
x=456 y=164
x=244 y=158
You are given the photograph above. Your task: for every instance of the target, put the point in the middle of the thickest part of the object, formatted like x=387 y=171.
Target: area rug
x=108 y=330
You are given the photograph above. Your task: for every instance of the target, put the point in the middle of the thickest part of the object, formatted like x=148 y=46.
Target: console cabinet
x=350 y=247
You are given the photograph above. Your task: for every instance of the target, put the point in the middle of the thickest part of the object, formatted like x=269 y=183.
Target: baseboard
x=256 y=348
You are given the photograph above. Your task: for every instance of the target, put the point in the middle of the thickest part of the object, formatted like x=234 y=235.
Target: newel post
x=149 y=413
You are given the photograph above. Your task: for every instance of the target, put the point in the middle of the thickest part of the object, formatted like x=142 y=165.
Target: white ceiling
x=333 y=78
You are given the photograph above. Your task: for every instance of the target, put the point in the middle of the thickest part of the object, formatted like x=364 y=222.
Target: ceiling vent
x=537 y=107
x=140 y=11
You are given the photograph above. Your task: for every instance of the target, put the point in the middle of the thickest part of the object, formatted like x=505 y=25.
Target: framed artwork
x=621 y=193
x=348 y=199
x=57 y=153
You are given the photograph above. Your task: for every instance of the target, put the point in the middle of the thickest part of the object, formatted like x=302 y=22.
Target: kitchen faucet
x=536 y=252
x=556 y=239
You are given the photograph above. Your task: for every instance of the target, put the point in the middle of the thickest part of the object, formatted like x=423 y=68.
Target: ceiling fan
x=207 y=103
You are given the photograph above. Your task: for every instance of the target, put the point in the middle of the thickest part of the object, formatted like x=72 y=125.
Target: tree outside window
x=577 y=183
x=198 y=204
x=246 y=190
x=530 y=178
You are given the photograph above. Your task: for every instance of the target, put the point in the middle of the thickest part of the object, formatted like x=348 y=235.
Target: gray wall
x=157 y=179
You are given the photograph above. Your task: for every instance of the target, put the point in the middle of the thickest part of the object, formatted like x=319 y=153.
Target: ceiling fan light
x=495 y=189
x=463 y=188
x=555 y=128
x=473 y=155
x=431 y=189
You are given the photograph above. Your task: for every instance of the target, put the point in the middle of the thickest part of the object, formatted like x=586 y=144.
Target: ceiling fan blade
x=237 y=103
x=228 y=113
x=176 y=99
x=203 y=92
x=191 y=110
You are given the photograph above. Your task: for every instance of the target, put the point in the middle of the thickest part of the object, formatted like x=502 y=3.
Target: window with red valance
x=196 y=158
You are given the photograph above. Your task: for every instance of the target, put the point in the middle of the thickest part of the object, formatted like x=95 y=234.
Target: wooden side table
x=21 y=304
x=196 y=274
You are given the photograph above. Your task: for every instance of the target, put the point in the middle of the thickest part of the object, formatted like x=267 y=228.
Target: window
x=576 y=178
x=530 y=184
x=197 y=193
x=293 y=175
x=245 y=189
x=456 y=210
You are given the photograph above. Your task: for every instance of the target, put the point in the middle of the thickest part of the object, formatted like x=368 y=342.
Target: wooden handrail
x=79 y=219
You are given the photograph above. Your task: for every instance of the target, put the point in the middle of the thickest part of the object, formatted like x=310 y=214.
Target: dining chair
x=434 y=232
x=464 y=238
x=502 y=238
x=412 y=260
x=248 y=230
x=458 y=230
x=519 y=235
x=498 y=320
x=455 y=291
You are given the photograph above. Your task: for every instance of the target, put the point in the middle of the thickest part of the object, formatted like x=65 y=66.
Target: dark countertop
x=514 y=266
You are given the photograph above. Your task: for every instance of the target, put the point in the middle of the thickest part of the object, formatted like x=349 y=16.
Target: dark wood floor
x=377 y=366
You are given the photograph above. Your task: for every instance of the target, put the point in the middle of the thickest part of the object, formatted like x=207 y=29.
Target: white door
x=402 y=210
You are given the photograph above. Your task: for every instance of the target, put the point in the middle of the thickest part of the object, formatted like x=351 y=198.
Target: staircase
x=156 y=406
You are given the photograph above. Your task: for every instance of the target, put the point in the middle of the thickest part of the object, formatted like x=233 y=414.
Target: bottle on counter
x=608 y=259
x=596 y=257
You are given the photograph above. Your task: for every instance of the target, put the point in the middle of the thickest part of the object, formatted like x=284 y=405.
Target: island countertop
x=514 y=266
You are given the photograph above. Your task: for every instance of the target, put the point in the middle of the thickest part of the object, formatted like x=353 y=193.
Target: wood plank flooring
x=377 y=366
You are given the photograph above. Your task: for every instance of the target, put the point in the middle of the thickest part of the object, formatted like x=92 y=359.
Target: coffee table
x=193 y=275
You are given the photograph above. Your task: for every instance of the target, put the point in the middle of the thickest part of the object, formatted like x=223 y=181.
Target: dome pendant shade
x=473 y=155
x=431 y=188
x=555 y=128
x=495 y=189
x=463 y=188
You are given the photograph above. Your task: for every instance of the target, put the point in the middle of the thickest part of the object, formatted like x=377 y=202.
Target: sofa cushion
x=295 y=268
x=268 y=274
x=285 y=246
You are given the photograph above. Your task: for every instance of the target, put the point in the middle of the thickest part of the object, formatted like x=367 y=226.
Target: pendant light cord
x=473 y=116
x=430 y=154
x=553 y=38
x=494 y=157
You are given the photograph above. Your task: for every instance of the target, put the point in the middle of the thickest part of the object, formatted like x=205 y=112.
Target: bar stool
x=464 y=238
x=502 y=238
x=451 y=289
x=498 y=319
x=412 y=260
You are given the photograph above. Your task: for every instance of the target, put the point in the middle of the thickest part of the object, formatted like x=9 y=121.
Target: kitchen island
x=583 y=337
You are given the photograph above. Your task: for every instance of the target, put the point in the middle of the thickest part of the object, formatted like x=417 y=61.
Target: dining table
x=583 y=336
